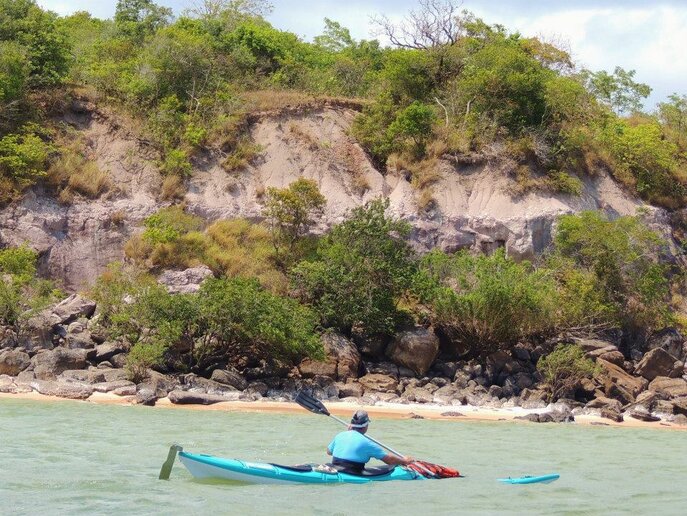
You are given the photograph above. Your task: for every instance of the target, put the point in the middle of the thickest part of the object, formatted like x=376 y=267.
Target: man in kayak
x=351 y=449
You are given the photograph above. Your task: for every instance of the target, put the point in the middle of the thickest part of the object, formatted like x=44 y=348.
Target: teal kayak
x=207 y=466
x=544 y=479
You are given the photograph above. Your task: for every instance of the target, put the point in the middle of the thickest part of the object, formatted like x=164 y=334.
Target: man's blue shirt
x=354 y=446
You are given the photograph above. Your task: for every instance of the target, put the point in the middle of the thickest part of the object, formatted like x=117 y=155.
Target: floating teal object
x=543 y=479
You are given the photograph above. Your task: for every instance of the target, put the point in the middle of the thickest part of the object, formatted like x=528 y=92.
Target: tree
x=623 y=254
x=362 y=269
x=486 y=302
x=137 y=19
x=27 y=25
x=290 y=213
x=335 y=38
x=673 y=116
x=415 y=123
x=618 y=90
x=214 y=9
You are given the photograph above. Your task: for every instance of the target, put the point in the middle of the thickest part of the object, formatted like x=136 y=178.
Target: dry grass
x=137 y=249
x=303 y=135
x=74 y=173
x=118 y=217
x=89 y=181
x=173 y=188
x=244 y=152
x=425 y=199
x=353 y=161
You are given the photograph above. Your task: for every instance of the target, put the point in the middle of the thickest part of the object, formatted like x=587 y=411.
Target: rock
x=374 y=382
x=680 y=405
x=669 y=387
x=656 y=362
x=158 y=383
x=200 y=384
x=647 y=399
x=445 y=369
x=72 y=308
x=612 y=375
x=118 y=361
x=594 y=347
x=415 y=349
x=50 y=363
x=146 y=396
x=36 y=333
x=452 y=413
x=386 y=368
x=196 y=398
x=604 y=403
x=643 y=414
x=258 y=387
x=521 y=353
x=669 y=340
x=344 y=353
x=534 y=418
x=680 y=419
x=497 y=361
x=83 y=375
x=418 y=395
x=186 y=281
x=125 y=390
x=310 y=368
x=663 y=407
x=106 y=351
x=350 y=389
x=112 y=386
x=372 y=347
x=614 y=357
x=444 y=395
x=62 y=389
x=266 y=369
x=229 y=376
x=13 y=361
x=611 y=414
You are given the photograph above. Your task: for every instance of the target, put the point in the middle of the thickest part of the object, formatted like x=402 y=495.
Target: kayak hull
x=209 y=467
x=542 y=479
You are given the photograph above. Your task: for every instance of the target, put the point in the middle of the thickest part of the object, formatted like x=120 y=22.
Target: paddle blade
x=308 y=402
x=429 y=470
x=166 y=469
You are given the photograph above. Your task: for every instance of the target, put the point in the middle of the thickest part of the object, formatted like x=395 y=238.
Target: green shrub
x=485 y=302
x=564 y=368
x=623 y=255
x=18 y=261
x=23 y=160
x=168 y=224
x=176 y=163
x=363 y=267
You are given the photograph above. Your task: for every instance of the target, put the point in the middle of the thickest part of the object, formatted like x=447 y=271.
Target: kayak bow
x=544 y=479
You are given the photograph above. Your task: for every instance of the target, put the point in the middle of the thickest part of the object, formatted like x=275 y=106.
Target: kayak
x=544 y=479
x=206 y=466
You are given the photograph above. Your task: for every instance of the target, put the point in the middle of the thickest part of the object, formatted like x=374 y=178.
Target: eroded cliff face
x=473 y=205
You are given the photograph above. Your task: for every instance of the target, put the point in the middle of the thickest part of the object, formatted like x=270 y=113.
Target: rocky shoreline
x=59 y=352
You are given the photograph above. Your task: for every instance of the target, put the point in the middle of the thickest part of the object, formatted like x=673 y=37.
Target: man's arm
x=395 y=460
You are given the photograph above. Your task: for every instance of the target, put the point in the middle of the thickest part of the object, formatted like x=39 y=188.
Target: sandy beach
x=345 y=409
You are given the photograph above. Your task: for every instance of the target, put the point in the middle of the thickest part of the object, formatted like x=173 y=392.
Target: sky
x=647 y=36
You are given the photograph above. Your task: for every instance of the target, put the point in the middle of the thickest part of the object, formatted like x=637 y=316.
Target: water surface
x=81 y=458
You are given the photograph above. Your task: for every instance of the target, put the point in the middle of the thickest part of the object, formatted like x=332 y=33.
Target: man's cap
x=360 y=419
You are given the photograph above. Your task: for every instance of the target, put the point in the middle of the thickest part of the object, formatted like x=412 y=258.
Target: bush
x=18 y=261
x=362 y=269
x=564 y=368
x=168 y=224
x=23 y=160
x=485 y=302
x=623 y=255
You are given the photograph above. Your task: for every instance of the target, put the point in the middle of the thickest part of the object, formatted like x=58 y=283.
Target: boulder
x=614 y=357
x=669 y=387
x=50 y=363
x=604 y=403
x=62 y=389
x=611 y=414
x=612 y=375
x=310 y=368
x=199 y=384
x=113 y=386
x=656 y=362
x=642 y=414
x=106 y=351
x=415 y=349
x=36 y=333
x=386 y=368
x=593 y=348
x=186 y=281
x=179 y=397
x=669 y=340
x=145 y=396
x=444 y=395
x=345 y=354
x=72 y=308
x=229 y=376
x=418 y=395
x=374 y=382
x=13 y=361
x=350 y=389
x=680 y=405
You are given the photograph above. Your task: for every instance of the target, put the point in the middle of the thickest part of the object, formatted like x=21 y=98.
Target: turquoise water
x=79 y=458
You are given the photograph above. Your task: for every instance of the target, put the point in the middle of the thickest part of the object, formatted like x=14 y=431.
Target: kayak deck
x=207 y=466
x=543 y=479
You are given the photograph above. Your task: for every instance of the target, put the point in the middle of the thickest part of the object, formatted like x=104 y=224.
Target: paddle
x=312 y=404
x=167 y=466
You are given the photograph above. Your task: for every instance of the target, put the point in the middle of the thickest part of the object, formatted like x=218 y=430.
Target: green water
x=77 y=458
